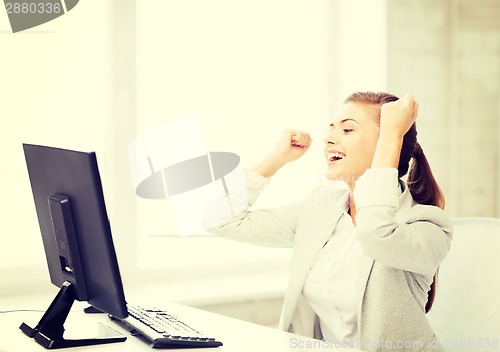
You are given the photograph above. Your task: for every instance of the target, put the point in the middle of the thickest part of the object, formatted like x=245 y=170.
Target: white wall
x=55 y=86
x=361 y=47
x=247 y=70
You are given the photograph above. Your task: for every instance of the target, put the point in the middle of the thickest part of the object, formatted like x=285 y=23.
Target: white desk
x=236 y=335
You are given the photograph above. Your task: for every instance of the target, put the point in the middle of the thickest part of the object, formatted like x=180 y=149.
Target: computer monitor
x=77 y=240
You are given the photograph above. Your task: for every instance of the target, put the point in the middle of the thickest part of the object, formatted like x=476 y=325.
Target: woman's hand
x=292 y=145
x=396 y=118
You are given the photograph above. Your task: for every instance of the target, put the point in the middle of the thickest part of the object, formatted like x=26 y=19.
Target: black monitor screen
x=74 y=225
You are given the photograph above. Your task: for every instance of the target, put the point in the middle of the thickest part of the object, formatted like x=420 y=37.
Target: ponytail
x=422 y=184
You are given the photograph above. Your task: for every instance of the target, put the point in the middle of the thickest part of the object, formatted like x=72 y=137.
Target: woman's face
x=351 y=142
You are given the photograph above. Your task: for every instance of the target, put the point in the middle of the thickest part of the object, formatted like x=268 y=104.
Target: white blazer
x=403 y=243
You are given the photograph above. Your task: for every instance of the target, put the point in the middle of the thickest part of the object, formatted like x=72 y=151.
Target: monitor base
x=49 y=332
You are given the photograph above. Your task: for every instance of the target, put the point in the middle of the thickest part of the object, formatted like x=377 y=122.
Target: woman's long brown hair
x=421 y=182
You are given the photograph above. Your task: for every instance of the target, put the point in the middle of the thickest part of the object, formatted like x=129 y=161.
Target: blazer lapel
x=313 y=233
x=317 y=231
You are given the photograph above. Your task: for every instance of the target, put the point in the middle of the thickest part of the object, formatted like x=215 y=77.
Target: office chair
x=466 y=312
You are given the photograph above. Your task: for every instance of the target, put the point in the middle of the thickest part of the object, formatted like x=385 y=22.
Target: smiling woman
x=363 y=257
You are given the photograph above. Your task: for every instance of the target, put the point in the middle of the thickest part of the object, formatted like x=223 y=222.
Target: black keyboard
x=164 y=330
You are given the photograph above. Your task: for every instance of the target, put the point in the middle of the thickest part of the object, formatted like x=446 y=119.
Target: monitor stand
x=50 y=329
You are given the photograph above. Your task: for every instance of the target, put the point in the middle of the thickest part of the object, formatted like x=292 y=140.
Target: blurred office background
x=106 y=72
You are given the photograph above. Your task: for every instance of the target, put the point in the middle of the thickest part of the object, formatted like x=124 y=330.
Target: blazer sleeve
x=415 y=238
x=231 y=217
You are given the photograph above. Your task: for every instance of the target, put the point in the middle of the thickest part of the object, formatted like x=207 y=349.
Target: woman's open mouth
x=334 y=156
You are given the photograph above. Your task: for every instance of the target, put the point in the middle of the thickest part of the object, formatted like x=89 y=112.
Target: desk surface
x=236 y=335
